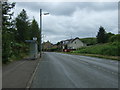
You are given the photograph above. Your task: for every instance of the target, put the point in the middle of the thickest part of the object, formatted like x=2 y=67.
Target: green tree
x=35 y=31
x=101 y=36
x=7 y=30
x=108 y=36
x=22 y=25
x=115 y=38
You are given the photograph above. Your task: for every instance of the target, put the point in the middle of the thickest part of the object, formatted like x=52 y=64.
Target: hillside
x=110 y=49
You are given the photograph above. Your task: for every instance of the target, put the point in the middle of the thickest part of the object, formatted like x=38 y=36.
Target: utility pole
x=40 y=32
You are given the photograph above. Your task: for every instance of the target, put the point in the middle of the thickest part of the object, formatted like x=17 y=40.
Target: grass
x=95 y=55
x=107 y=50
x=110 y=49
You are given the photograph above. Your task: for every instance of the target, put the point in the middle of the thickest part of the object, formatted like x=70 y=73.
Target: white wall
x=75 y=44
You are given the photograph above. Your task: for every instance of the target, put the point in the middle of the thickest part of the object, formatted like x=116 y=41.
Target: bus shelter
x=33 y=53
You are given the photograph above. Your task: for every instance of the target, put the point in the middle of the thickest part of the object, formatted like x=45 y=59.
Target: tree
x=22 y=25
x=115 y=38
x=7 y=30
x=108 y=36
x=35 y=31
x=101 y=36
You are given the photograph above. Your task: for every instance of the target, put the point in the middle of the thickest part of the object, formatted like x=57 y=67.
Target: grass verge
x=95 y=55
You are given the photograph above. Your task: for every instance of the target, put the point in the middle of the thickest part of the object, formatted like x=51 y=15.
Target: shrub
x=89 y=41
x=115 y=38
x=103 y=49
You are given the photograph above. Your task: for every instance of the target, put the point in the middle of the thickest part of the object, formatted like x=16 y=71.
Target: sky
x=72 y=19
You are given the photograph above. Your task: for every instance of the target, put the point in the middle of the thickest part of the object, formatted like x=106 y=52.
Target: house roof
x=47 y=43
x=69 y=40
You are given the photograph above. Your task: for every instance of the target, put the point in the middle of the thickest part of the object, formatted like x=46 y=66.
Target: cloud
x=80 y=19
x=81 y=22
x=67 y=8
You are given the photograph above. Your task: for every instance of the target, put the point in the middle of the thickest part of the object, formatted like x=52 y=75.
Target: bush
x=115 y=38
x=14 y=51
x=111 y=49
x=51 y=49
x=89 y=41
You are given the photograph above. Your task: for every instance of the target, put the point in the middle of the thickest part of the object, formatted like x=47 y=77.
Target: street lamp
x=41 y=30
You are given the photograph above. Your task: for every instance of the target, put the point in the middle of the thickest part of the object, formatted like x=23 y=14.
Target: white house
x=73 y=43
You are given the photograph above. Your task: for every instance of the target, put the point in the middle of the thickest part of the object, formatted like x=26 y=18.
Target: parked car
x=68 y=50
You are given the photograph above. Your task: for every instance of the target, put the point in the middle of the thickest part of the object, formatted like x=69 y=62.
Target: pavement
x=57 y=70
x=18 y=73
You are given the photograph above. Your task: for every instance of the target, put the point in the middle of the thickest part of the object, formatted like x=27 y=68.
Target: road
x=58 y=70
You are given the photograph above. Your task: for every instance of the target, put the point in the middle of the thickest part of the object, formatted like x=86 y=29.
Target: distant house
x=54 y=46
x=46 y=45
x=72 y=44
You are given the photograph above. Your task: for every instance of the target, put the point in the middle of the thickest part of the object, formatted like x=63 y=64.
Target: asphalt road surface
x=58 y=70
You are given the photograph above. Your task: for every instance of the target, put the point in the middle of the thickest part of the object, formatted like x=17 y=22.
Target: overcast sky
x=72 y=19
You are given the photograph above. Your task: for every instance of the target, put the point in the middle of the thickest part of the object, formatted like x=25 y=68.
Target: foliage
x=103 y=49
x=34 y=31
x=89 y=41
x=7 y=30
x=58 y=43
x=51 y=49
x=101 y=37
x=115 y=38
x=22 y=25
x=108 y=36
x=15 y=32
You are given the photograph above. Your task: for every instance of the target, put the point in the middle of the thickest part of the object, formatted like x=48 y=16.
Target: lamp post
x=41 y=30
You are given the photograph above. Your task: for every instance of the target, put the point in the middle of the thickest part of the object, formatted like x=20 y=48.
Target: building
x=46 y=45
x=72 y=44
